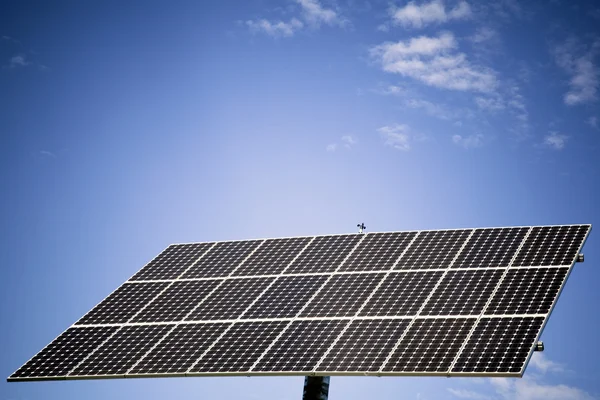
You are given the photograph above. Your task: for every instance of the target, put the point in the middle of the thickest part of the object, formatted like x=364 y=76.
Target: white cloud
x=469 y=394
x=493 y=103
x=439 y=111
x=315 y=14
x=398 y=136
x=434 y=12
x=432 y=61
x=468 y=142
x=276 y=29
x=593 y=122
x=18 y=61
x=331 y=147
x=483 y=34
x=555 y=141
x=540 y=362
x=578 y=63
x=349 y=141
x=529 y=388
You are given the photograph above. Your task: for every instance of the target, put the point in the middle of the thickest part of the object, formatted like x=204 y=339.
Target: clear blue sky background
x=127 y=126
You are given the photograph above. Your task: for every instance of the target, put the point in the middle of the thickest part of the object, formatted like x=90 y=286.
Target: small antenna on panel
x=361 y=227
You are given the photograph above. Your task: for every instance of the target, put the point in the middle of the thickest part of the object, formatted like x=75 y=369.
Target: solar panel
x=467 y=302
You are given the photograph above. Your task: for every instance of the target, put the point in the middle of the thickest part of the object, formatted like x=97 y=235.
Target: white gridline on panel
x=410 y=324
x=209 y=348
x=306 y=304
x=483 y=310
x=408 y=246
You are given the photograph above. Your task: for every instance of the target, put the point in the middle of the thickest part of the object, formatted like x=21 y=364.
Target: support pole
x=316 y=388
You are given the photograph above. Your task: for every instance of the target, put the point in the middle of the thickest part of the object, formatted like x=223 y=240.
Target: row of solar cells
x=460 y=292
x=493 y=247
x=497 y=345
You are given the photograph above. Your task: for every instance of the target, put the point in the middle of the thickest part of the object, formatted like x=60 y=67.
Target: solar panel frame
x=352 y=373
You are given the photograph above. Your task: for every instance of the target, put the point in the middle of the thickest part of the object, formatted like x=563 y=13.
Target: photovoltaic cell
x=123 y=303
x=222 y=259
x=378 y=251
x=240 y=347
x=364 y=346
x=301 y=346
x=230 y=299
x=401 y=293
x=430 y=345
x=273 y=256
x=433 y=249
x=180 y=349
x=551 y=245
x=499 y=345
x=463 y=292
x=342 y=296
x=286 y=297
x=65 y=352
x=458 y=302
x=176 y=302
x=492 y=247
x=172 y=261
x=527 y=291
x=119 y=353
x=324 y=254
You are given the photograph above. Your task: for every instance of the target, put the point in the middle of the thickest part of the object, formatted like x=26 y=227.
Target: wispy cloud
x=314 y=13
x=555 y=141
x=436 y=110
x=18 y=61
x=468 y=142
x=578 y=62
x=434 y=62
x=399 y=136
x=349 y=141
x=275 y=29
x=593 y=122
x=483 y=34
x=540 y=362
x=468 y=394
x=417 y=16
x=311 y=12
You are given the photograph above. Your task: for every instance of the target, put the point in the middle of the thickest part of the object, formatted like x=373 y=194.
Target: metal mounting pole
x=316 y=388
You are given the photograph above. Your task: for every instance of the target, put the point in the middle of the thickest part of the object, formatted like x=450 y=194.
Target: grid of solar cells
x=414 y=345
x=493 y=247
x=172 y=261
x=401 y=293
x=273 y=256
x=240 y=347
x=119 y=353
x=65 y=352
x=178 y=351
x=324 y=254
x=433 y=249
x=222 y=259
x=230 y=299
x=342 y=295
x=527 y=291
x=123 y=303
x=430 y=345
x=378 y=251
x=286 y=297
x=301 y=346
x=551 y=245
x=364 y=346
x=462 y=292
x=499 y=345
x=176 y=302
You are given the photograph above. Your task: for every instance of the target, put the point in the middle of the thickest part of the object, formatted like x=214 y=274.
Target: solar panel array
x=465 y=302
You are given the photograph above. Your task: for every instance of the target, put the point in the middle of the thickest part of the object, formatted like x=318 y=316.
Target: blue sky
x=127 y=126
